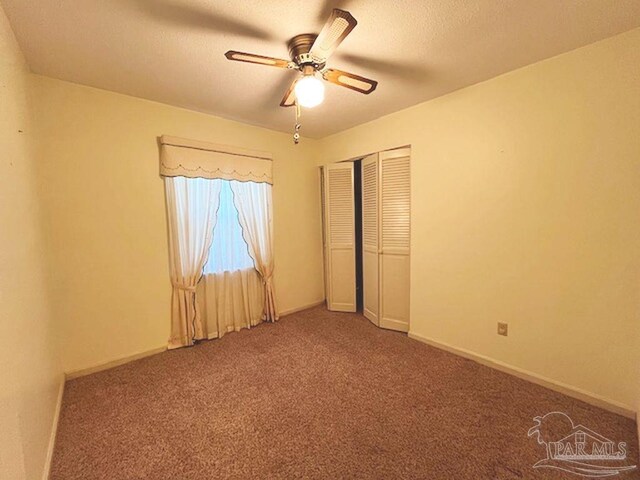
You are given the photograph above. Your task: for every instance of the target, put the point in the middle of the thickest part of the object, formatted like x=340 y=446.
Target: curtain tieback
x=267 y=281
x=183 y=287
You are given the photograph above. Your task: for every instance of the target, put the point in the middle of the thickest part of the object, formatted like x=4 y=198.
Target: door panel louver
x=396 y=201
x=341 y=206
x=370 y=203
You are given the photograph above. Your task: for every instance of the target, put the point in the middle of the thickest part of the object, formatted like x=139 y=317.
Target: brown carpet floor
x=317 y=395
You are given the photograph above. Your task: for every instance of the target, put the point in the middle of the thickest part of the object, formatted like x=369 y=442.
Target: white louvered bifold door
x=395 y=211
x=325 y=242
x=340 y=237
x=370 y=237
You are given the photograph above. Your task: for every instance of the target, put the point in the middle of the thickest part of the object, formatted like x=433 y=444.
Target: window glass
x=229 y=251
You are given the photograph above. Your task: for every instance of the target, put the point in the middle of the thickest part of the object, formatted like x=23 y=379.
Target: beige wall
x=525 y=209
x=30 y=376
x=106 y=215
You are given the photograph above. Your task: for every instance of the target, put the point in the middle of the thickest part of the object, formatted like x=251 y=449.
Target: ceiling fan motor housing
x=309 y=53
x=299 y=47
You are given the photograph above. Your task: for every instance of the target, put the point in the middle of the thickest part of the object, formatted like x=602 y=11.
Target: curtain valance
x=180 y=157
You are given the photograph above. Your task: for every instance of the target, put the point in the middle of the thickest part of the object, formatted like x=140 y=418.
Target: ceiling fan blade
x=350 y=80
x=338 y=26
x=289 y=99
x=259 y=59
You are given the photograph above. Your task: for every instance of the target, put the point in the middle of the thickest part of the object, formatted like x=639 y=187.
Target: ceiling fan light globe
x=309 y=92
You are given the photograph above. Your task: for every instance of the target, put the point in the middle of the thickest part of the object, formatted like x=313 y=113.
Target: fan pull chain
x=296 y=134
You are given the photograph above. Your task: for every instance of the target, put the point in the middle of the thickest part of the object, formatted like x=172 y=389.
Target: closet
x=382 y=200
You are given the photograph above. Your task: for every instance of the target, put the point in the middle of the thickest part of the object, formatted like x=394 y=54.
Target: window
x=229 y=251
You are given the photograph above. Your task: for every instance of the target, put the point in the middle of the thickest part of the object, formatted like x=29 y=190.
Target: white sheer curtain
x=253 y=201
x=229 y=251
x=230 y=294
x=231 y=300
x=192 y=205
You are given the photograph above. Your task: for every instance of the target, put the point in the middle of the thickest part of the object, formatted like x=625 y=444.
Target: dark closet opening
x=357 y=197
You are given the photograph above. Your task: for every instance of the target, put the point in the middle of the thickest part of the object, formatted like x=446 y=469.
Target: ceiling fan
x=309 y=54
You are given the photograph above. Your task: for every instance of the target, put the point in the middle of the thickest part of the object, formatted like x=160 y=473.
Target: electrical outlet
x=503 y=329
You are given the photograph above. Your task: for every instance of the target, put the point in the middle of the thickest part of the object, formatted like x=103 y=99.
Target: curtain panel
x=253 y=201
x=192 y=207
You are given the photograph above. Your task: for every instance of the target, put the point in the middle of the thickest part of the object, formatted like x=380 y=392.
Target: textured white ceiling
x=171 y=51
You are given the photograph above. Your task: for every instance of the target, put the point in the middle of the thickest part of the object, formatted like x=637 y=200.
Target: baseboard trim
x=54 y=430
x=571 y=391
x=136 y=356
x=114 y=363
x=284 y=313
